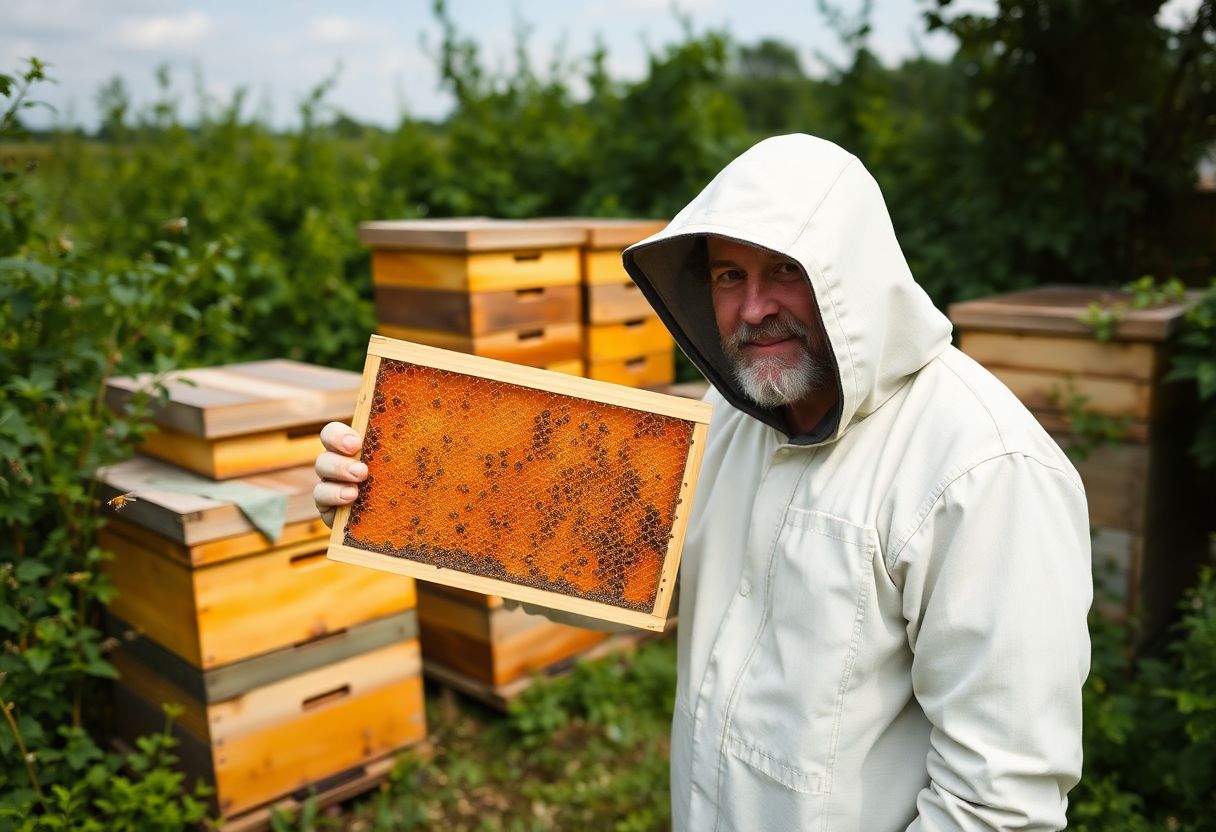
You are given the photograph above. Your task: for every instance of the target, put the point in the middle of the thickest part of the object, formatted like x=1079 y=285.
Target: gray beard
x=774 y=382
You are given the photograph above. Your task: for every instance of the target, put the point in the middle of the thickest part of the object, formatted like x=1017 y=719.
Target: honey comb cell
x=523 y=488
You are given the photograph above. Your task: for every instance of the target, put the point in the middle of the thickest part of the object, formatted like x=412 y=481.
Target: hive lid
x=189 y=518
x=236 y=399
x=1062 y=310
x=610 y=233
x=468 y=234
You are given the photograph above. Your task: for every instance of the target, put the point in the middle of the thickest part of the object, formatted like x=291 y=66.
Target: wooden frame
x=646 y=402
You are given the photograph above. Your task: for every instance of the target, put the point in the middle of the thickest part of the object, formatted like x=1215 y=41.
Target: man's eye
x=728 y=276
x=789 y=267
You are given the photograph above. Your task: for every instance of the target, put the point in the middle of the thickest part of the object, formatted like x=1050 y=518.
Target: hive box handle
x=325 y=698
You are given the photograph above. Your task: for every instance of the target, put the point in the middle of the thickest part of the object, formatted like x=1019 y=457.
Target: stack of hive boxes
x=1148 y=528
x=626 y=342
x=295 y=673
x=512 y=290
x=494 y=288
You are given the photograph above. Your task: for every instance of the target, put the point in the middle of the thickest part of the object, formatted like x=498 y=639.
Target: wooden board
x=247 y=606
x=497 y=271
x=278 y=739
x=613 y=303
x=225 y=548
x=191 y=519
x=572 y=367
x=236 y=456
x=604 y=267
x=217 y=684
x=1055 y=421
x=578 y=526
x=1133 y=360
x=615 y=233
x=629 y=339
x=495 y=645
x=618 y=234
x=1115 y=477
x=534 y=347
x=1061 y=309
x=469 y=234
x=478 y=313
x=238 y=399
x=501 y=696
x=643 y=371
x=1108 y=396
x=333 y=789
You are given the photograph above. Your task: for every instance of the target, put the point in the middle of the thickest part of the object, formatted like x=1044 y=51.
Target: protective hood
x=812 y=201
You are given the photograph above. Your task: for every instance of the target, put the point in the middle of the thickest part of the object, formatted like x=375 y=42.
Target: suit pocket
x=786 y=718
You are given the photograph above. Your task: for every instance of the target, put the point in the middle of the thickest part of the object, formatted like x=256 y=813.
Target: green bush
x=66 y=327
x=1150 y=727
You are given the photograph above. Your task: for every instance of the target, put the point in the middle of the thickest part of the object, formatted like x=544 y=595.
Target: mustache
x=769 y=328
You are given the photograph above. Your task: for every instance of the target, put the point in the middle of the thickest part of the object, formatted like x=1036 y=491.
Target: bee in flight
x=120 y=502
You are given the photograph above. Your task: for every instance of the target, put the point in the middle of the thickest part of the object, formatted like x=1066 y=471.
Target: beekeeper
x=884 y=587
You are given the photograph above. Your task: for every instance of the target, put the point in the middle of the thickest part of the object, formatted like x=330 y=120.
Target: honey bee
x=121 y=501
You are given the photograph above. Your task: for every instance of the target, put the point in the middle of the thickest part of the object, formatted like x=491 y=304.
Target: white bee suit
x=882 y=624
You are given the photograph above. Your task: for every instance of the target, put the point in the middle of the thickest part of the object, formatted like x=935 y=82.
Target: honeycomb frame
x=581 y=503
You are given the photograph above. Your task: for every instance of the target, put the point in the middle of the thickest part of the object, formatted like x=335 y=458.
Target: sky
x=382 y=52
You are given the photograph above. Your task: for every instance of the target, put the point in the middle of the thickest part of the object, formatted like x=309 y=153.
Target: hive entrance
x=521 y=485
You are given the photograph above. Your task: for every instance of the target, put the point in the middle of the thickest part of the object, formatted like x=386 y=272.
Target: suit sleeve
x=997 y=586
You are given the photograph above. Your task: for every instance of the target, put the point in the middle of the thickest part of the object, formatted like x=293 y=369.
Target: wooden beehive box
x=193 y=574
x=303 y=717
x=1147 y=540
x=496 y=288
x=488 y=642
x=626 y=343
x=241 y=419
x=508 y=481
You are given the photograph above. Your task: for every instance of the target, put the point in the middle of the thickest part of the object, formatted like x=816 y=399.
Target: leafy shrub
x=66 y=327
x=1150 y=727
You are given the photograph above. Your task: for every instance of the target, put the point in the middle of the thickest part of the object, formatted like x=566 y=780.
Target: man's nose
x=758 y=302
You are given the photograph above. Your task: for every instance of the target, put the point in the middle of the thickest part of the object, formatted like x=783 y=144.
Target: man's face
x=768 y=323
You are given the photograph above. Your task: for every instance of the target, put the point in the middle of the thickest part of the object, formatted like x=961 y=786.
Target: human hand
x=338 y=470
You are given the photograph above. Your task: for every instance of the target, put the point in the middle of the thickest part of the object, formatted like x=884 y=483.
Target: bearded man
x=886 y=574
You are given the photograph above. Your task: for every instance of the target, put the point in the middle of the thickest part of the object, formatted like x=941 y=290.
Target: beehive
x=497 y=288
x=1148 y=530
x=240 y=419
x=301 y=717
x=626 y=343
x=490 y=643
x=530 y=485
x=285 y=685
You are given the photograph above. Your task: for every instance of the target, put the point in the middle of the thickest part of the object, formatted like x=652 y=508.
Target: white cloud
x=339 y=30
x=187 y=29
x=49 y=17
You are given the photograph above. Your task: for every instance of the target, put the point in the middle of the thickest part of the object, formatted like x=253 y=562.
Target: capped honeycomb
x=521 y=485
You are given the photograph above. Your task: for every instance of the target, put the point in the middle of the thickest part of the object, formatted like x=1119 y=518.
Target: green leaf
x=39 y=659
x=101 y=668
x=10 y=619
x=29 y=571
